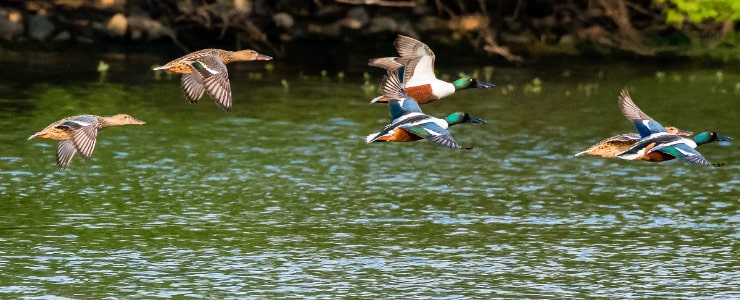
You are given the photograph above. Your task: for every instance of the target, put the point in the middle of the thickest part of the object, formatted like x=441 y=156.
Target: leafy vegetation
x=679 y=11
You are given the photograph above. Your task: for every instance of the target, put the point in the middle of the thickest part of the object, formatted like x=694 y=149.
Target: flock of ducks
x=409 y=81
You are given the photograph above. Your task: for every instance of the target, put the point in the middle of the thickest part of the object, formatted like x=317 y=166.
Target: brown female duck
x=609 y=147
x=205 y=71
x=78 y=134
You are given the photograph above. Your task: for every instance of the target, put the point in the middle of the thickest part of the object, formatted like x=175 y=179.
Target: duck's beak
x=261 y=56
x=482 y=85
x=476 y=120
x=723 y=137
x=137 y=122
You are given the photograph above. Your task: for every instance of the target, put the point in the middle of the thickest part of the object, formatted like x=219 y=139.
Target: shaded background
x=516 y=31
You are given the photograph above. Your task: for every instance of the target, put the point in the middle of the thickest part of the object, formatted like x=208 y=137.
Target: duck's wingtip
x=224 y=107
x=371 y=137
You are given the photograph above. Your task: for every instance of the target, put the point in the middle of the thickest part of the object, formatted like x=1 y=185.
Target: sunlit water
x=281 y=197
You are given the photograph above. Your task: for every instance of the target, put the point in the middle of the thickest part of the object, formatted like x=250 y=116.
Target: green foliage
x=679 y=11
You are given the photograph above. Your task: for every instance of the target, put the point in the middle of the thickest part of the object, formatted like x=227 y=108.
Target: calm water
x=282 y=198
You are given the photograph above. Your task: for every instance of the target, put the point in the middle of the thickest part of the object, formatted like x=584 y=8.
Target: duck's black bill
x=482 y=85
x=477 y=120
x=723 y=137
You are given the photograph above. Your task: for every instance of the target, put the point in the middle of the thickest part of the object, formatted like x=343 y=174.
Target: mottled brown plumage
x=205 y=71
x=609 y=147
x=182 y=64
x=78 y=134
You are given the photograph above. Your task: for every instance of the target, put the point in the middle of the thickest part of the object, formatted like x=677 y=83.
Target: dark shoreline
x=321 y=34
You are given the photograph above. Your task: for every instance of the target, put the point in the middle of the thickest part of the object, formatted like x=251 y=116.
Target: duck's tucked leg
x=643 y=154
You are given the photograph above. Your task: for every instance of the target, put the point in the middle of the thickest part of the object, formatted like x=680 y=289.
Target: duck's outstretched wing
x=83 y=133
x=391 y=85
x=65 y=151
x=684 y=151
x=387 y=63
x=408 y=47
x=418 y=60
x=84 y=140
x=215 y=80
x=390 y=64
x=399 y=102
x=645 y=124
x=192 y=85
x=433 y=133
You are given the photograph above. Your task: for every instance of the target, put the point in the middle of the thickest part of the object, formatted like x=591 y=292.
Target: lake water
x=282 y=198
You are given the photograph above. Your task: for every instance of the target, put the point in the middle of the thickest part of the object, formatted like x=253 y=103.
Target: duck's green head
x=710 y=136
x=463 y=117
x=469 y=83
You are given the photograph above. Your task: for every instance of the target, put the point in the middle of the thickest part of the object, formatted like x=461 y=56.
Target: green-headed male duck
x=656 y=144
x=416 y=73
x=409 y=123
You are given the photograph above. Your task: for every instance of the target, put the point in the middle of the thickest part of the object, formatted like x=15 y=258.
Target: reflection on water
x=282 y=198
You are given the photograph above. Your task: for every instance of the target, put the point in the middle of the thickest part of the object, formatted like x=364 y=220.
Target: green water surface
x=282 y=198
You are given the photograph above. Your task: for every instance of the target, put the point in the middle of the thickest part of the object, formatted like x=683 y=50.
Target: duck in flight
x=409 y=123
x=415 y=66
x=656 y=144
x=78 y=134
x=204 y=71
